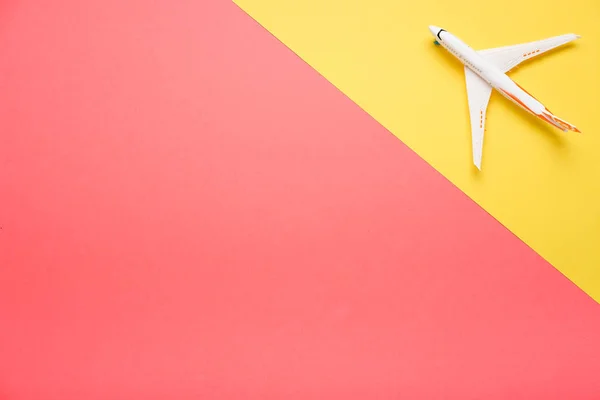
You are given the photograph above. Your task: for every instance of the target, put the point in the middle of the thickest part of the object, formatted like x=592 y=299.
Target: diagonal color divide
x=193 y=212
x=540 y=183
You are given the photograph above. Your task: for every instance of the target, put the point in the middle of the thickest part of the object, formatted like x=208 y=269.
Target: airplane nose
x=434 y=29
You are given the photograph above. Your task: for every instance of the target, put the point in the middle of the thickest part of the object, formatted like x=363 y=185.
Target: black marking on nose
x=438 y=34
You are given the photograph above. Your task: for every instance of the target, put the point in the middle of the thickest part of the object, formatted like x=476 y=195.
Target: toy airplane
x=486 y=69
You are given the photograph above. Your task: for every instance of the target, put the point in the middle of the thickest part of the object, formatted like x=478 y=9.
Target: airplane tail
x=558 y=122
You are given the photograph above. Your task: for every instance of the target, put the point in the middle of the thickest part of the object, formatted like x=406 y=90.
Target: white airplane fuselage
x=487 y=71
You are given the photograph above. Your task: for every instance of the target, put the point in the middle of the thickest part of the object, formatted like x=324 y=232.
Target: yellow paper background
x=541 y=183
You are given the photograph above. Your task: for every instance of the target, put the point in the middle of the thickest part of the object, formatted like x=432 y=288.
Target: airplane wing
x=478 y=92
x=508 y=57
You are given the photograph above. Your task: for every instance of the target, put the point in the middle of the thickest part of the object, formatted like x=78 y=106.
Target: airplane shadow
x=554 y=135
x=530 y=124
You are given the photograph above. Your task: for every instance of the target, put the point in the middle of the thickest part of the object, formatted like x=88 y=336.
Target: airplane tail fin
x=558 y=122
